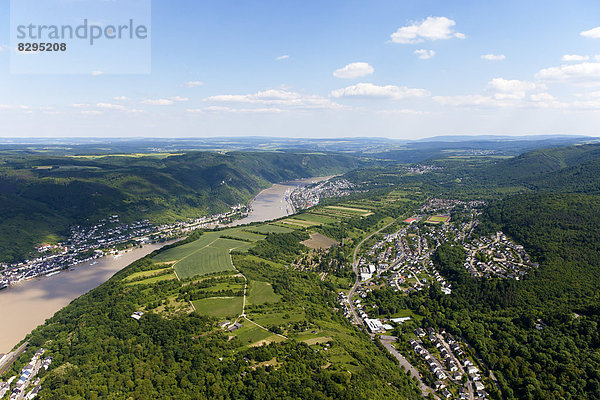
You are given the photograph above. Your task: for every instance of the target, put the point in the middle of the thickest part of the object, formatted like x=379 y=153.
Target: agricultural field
x=318 y=241
x=154 y=279
x=252 y=335
x=207 y=260
x=320 y=219
x=220 y=307
x=300 y=223
x=261 y=293
x=358 y=211
x=209 y=254
x=244 y=235
x=145 y=274
x=269 y=228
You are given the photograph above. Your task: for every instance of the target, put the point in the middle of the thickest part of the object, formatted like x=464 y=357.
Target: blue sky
x=399 y=69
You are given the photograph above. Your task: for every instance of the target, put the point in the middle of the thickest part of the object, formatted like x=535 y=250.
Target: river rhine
x=28 y=304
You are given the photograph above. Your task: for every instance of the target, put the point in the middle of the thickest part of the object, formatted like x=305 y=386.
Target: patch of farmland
x=219 y=307
x=318 y=241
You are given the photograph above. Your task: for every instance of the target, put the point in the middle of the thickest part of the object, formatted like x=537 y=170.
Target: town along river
x=28 y=304
x=274 y=202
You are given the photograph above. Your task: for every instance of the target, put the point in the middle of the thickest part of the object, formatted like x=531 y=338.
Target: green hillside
x=40 y=197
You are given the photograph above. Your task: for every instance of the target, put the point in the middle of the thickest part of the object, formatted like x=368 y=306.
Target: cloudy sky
x=325 y=68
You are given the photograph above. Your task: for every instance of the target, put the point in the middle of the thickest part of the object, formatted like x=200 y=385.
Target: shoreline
x=27 y=304
x=271 y=198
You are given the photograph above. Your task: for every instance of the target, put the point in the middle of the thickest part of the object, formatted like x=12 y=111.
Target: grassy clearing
x=155 y=279
x=300 y=223
x=350 y=210
x=289 y=225
x=269 y=228
x=225 y=286
x=180 y=252
x=320 y=219
x=261 y=293
x=206 y=261
x=243 y=235
x=219 y=307
x=144 y=274
x=249 y=333
x=207 y=255
x=317 y=340
x=318 y=241
x=278 y=318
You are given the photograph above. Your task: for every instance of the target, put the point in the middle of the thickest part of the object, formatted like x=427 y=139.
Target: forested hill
x=535 y=165
x=40 y=197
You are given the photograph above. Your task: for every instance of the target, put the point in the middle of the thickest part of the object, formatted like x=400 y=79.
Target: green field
x=207 y=255
x=180 y=252
x=250 y=333
x=278 y=317
x=205 y=261
x=160 y=278
x=225 y=286
x=261 y=293
x=219 y=307
x=243 y=235
x=145 y=274
x=269 y=228
x=350 y=210
x=321 y=219
x=436 y=219
x=299 y=222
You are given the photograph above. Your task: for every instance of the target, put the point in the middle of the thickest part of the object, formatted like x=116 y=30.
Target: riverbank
x=275 y=202
x=26 y=305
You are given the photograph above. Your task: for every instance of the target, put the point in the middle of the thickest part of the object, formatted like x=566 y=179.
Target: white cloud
x=574 y=57
x=493 y=57
x=585 y=73
x=80 y=105
x=511 y=88
x=506 y=93
x=120 y=98
x=90 y=112
x=220 y=109
x=97 y=73
x=193 y=84
x=13 y=107
x=158 y=102
x=3 y=47
x=354 y=70
x=111 y=106
x=425 y=54
x=432 y=28
x=179 y=98
x=592 y=33
x=403 y=111
x=464 y=100
x=283 y=57
x=374 y=91
x=277 y=97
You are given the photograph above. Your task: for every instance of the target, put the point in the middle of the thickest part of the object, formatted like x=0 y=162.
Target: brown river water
x=28 y=304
